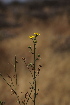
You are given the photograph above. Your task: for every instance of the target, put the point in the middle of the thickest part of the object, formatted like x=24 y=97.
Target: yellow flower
x=31 y=37
x=37 y=33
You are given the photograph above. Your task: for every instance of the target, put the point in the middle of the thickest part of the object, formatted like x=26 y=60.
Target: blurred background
x=18 y=20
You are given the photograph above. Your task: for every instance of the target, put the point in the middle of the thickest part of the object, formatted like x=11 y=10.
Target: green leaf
x=35 y=41
x=37 y=59
x=30 y=64
x=29 y=47
x=38 y=55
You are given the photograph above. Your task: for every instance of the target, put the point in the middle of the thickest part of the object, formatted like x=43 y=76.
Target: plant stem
x=34 y=77
x=14 y=92
x=15 y=69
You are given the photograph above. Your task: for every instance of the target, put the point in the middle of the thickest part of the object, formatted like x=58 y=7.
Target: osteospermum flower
x=37 y=33
x=31 y=37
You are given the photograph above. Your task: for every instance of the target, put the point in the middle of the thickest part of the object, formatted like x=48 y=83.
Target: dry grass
x=53 y=46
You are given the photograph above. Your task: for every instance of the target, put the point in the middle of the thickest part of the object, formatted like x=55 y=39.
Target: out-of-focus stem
x=15 y=69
